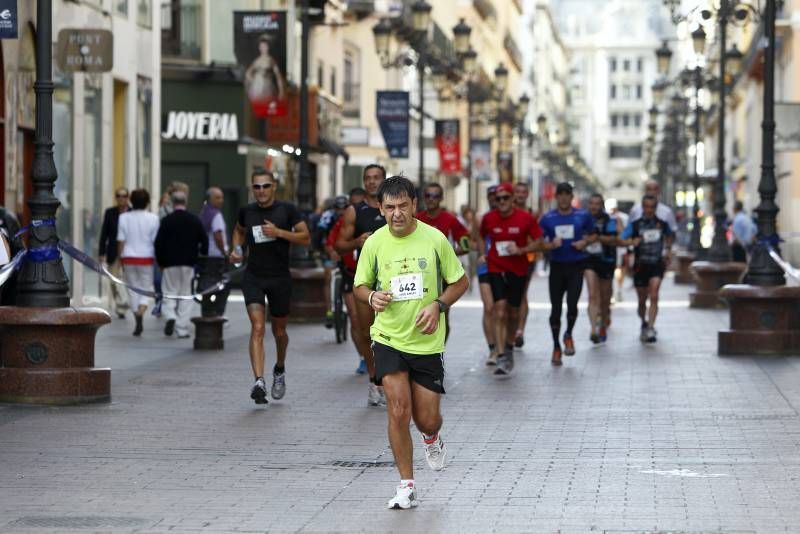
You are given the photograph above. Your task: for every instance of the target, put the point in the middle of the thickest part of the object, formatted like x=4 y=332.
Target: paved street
x=622 y=438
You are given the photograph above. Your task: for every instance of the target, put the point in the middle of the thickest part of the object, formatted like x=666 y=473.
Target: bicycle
x=337 y=305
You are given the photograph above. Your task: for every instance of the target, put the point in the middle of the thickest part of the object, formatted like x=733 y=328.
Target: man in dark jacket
x=180 y=239
x=108 y=249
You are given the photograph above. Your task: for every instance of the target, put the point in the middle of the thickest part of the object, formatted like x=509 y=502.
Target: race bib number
x=651 y=236
x=565 y=231
x=407 y=287
x=259 y=237
x=595 y=248
x=503 y=248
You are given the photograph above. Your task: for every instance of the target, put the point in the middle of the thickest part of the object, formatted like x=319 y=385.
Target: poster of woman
x=260 y=48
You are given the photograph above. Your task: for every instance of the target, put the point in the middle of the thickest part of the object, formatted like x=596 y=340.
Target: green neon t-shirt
x=413 y=269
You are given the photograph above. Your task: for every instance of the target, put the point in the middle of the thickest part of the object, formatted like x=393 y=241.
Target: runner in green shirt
x=400 y=273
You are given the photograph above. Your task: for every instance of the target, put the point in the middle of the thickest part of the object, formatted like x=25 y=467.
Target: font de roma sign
x=85 y=50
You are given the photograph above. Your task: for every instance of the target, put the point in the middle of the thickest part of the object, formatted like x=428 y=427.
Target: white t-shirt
x=663 y=212
x=138 y=229
x=217 y=224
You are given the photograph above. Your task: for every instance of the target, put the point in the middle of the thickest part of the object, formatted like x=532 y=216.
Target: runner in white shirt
x=663 y=212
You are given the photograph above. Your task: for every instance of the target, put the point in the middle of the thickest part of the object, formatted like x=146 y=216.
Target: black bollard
x=208 y=327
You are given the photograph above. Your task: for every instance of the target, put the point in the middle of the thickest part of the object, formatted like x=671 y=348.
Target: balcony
x=181 y=29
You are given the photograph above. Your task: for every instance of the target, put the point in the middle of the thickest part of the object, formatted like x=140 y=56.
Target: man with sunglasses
x=108 y=248
x=361 y=221
x=513 y=233
x=267 y=227
x=447 y=223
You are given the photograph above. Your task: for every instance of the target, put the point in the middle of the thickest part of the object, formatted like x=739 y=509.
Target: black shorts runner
x=507 y=286
x=347 y=282
x=427 y=370
x=278 y=292
x=604 y=269
x=484 y=278
x=643 y=272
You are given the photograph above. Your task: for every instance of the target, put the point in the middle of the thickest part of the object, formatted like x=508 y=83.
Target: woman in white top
x=136 y=236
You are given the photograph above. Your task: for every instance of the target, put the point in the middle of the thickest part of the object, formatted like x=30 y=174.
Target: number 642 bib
x=407 y=287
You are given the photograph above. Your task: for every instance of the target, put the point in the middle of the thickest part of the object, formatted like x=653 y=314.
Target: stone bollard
x=308 y=294
x=208 y=327
x=764 y=320
x=710 y=277
x=683 y=274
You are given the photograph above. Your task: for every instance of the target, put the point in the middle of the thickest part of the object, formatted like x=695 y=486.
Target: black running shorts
x=483 y=278
x=278 y=292
x=508 y=286
x=427 y=370
x=604 y=269
x=347 y=283
x=643 y=272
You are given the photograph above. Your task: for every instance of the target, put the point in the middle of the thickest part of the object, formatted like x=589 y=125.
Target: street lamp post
x=694 y=241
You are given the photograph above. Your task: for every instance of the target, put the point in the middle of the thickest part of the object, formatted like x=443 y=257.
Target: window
x=144 y=13
x=351 y=94
x=320 y=74
x=614 y=120
x=625 y=120
x=333 y=81
x=639 y=65
x=121 y=7
x=639 y=92
x=637 y=120
x=612 y=64
x=613 y=91
x=181 y=33
x=624 y=151
x=626 y=65
x=626 y=92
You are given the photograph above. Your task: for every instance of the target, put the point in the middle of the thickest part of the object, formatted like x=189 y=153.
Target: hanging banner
x=259 y=43
x=505 y=166
x=8 y=19
x=448 y=143
x=480 y=155
x=391 y=111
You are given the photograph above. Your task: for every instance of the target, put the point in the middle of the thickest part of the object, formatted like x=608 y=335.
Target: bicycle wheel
x=339 y=314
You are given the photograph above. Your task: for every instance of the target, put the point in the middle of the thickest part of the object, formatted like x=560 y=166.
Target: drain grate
x=350 y=463
x=77 y=522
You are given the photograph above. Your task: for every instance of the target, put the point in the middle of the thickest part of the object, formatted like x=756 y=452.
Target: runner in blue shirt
x=652 y=239
x=600 y=267
x=569 y=231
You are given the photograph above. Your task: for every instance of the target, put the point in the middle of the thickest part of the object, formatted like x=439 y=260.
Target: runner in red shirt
x=513 y=233
x=448 y=224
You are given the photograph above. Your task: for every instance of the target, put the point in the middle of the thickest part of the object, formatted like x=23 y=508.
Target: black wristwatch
x=442 y=306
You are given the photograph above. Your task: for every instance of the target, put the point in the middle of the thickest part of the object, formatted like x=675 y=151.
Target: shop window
x=92 y=205
x=144 y=139
x=144 y=13
x=181 y=28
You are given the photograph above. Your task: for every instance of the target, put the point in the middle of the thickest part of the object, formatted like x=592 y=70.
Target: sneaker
x=435 y=453
x=602 y=334
x=505 y=364
x=643 y=334
x=278 y=385
x=382 y=393
x=184 y=336
x=519 y=341
x=169 y=328
x=492 y=359
x=138 y=330
x=329 y=319
x=594 y=338
x=259 y=392
x=569 y=346
x=405 y=498
x=362 y=368
x=556 y=358
x=373 y=395
x=651 y=335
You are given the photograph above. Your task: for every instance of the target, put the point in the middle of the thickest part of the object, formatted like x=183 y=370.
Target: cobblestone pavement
x=622 y=438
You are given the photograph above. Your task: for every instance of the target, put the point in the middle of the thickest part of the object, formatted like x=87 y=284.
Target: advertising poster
x=481 y=159
x=392 y=113
x=448 y=143
x=260 y=48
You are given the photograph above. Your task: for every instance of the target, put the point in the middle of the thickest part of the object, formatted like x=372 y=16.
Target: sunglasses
x=259 y=187
x=502 y=198
x=432 y=195
x=122 y=195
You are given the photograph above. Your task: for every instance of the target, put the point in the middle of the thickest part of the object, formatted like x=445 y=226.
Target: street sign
x=85 y=50
x=8 y=19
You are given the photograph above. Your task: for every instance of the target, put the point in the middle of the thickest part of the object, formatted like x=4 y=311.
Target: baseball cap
x=505 y=186
x=340 y=202
x=491 y=190
x=564 y=187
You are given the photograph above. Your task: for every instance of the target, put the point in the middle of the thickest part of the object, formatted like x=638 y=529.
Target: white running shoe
x=435 y=453
x=373 y=395
x=405 y=498
x=651 y=335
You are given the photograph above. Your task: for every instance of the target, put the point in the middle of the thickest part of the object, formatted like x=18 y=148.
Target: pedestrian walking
x=165 y=208
x=744 y=233
x=107 y=250
x=136 y=235
x=569 y=231
x=217 y=232
x=360 y=222
x=599 y=272
x=267 y=227
x=181 y=238
x=513 y=233
x=401 y=268
x=652 y=239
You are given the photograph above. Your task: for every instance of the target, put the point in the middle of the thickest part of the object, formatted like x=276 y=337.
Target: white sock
x=407 y=482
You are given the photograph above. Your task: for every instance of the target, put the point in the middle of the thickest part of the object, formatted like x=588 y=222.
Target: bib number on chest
x=595 y=248
x=503 y=248
x=260 y=237
x=565 y=231
x=407 y=287
x=651 y=236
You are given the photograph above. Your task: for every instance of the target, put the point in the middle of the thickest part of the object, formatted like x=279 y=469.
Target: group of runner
x=402 y=274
